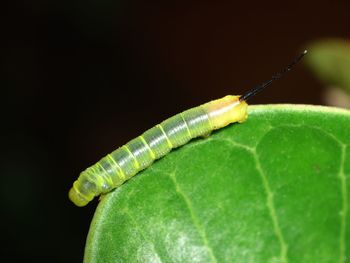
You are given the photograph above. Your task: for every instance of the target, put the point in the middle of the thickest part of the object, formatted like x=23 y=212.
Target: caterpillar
x=139 y=153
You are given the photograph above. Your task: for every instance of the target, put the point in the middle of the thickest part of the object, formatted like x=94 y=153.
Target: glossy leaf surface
x=274 y=189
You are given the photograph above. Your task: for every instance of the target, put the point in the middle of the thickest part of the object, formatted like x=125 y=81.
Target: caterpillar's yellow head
x=82 y=192
x=77 y=198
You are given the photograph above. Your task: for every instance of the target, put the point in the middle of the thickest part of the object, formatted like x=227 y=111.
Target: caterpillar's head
x=82 y=192
x=77 y=198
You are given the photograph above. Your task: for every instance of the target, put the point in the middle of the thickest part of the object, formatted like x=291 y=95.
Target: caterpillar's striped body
x=119 y=166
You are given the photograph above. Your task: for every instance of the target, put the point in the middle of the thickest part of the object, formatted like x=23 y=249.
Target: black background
x=83 y=77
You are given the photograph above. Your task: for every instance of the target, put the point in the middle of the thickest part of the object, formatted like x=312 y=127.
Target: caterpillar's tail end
x=77 y=198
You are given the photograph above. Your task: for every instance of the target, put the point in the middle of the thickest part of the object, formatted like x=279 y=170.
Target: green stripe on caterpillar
x=139 y=153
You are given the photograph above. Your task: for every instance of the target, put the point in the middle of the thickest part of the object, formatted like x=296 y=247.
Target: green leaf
x=274 y=189
x=330 y=61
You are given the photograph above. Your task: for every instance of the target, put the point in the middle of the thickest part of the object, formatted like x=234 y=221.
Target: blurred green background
x=84 y=77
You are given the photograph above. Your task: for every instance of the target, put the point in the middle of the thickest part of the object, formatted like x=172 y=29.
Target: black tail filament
x=250 y=93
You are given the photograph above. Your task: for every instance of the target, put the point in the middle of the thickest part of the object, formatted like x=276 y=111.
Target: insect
x=139 y=153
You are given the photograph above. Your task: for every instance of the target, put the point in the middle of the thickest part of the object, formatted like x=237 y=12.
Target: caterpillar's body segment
x=119 y=166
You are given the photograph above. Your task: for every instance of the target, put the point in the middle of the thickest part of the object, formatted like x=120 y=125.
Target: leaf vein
x=194 y=218
x=272 y=210
x=139 y=229
x=344 y=209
